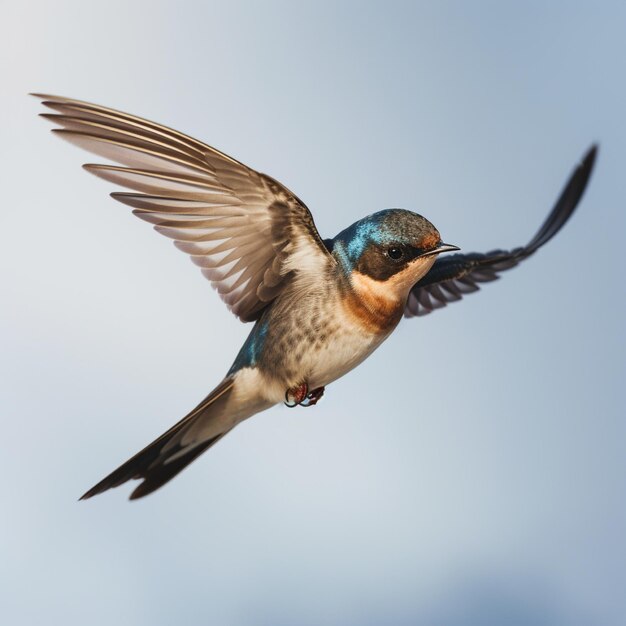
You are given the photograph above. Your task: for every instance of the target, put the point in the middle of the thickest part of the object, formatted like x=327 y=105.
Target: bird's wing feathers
x=454 y=276
x=247 y=232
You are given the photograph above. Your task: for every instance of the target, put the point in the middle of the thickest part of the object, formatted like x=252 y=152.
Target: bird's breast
x=319 y=336
x=350 y=331
x=345 y=346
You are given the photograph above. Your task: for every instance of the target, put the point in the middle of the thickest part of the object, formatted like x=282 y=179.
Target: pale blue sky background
x=472 y=472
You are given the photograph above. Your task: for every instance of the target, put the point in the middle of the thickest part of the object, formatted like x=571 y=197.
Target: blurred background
x=472 y=472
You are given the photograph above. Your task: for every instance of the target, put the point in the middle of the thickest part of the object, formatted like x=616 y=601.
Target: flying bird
x=319 y=306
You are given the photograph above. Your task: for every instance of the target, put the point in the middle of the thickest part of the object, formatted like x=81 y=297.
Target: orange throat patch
x=377 y=306
x=374 y=305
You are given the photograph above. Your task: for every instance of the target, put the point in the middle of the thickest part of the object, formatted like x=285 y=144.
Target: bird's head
x=388 y=251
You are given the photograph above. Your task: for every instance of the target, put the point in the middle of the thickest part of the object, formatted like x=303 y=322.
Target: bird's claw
x=313 y=397
x=296 y=395
x=301 y=396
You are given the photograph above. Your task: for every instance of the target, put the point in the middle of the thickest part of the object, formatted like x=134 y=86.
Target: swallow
x=319 y=306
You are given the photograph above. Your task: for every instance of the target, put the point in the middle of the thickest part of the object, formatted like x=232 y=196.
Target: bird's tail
x=176 y=448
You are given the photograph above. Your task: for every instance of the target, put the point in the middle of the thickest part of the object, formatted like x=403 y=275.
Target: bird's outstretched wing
x=451 y=277
x=247 y=232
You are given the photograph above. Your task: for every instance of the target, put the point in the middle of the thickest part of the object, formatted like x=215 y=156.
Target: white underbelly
x=319 y=356
x=343 y=352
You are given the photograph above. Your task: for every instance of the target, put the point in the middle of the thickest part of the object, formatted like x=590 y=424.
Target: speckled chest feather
x=317 y=334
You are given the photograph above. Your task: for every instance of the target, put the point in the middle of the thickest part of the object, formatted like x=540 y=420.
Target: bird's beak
x=441 y=247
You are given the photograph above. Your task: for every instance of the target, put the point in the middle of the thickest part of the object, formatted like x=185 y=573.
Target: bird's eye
x=395 y=254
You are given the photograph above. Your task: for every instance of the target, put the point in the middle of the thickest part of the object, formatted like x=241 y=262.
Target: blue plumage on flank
x=252 y=348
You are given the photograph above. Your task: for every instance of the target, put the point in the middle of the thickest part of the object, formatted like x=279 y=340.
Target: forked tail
x=176 y=448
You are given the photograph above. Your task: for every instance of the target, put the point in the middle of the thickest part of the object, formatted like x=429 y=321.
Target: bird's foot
x=301 y=396
x=296 y=395
x=313 y=397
